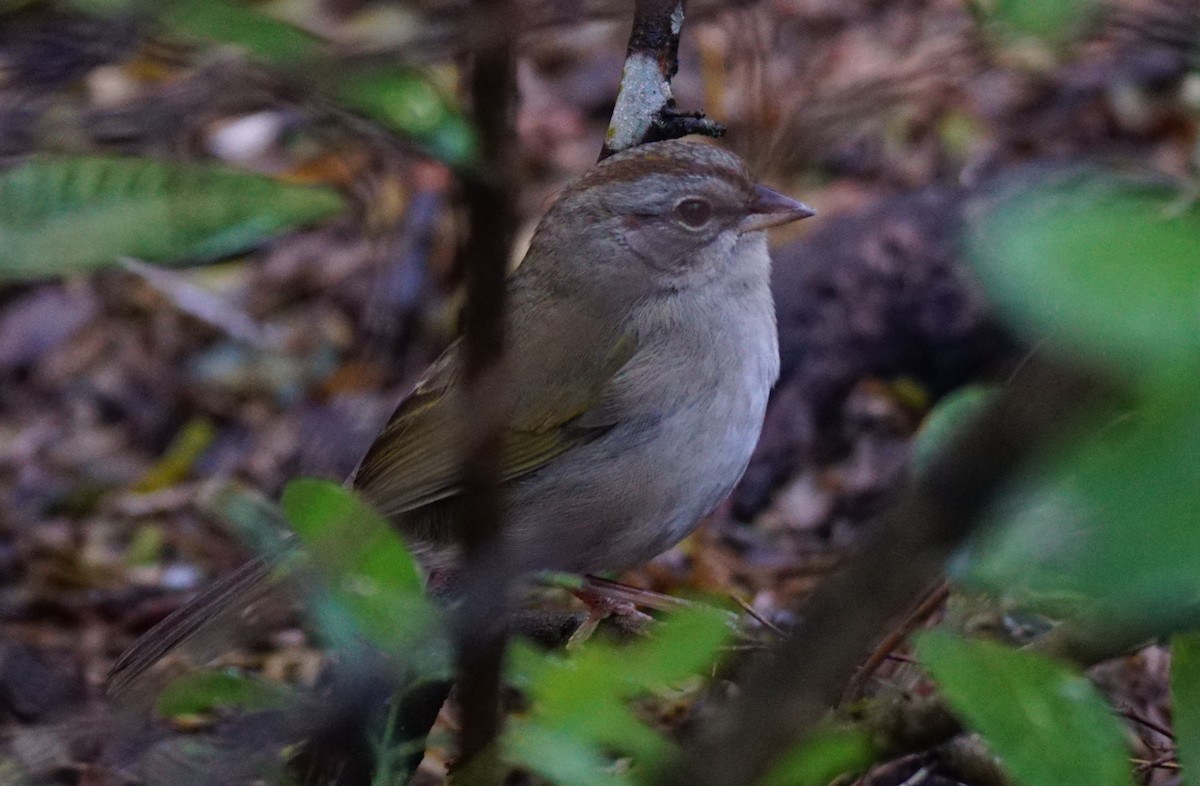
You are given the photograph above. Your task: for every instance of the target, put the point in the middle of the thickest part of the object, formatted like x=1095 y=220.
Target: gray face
x=659 y=217
x=666 y=219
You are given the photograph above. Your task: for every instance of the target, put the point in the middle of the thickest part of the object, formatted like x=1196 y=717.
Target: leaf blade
x=74 y=214
x=1048 y=724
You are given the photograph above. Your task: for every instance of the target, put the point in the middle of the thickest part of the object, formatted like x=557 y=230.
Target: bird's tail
x=229 y=595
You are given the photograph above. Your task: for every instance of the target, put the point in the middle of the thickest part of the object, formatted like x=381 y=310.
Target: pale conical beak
x=771 y=208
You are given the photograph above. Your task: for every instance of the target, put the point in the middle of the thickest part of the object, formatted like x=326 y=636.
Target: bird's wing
x=416 y=459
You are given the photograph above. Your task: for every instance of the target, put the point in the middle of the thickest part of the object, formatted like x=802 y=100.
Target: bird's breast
x=692 y=408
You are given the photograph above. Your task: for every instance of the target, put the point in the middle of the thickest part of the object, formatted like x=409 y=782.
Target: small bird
x=641 y=349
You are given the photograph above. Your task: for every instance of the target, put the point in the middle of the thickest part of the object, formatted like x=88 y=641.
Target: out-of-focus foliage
x=72 y=214
x=218 y=21
x=583 y=705
x=1108 y=527
x=207 y=691
x=373 y=586
x=236 y=24
x=1045 y=721
x=400 y=97
x=1105 y=268
x=579 y=714
x=946 y=419
x=62 y=214
x=1185 y=701
x=1056 y=21
x=823 y=757
x=407 y=101
x=1104 y=265
x=177 y=462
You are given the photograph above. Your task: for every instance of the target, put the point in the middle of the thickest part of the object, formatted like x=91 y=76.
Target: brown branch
x=482 y=628
x=645 y=109
x=785 y=696
x=893 y=640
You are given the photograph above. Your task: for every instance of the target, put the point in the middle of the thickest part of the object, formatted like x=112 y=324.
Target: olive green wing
x=416 y=459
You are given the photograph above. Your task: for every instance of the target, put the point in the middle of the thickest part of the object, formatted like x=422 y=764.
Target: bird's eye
x=695 y=213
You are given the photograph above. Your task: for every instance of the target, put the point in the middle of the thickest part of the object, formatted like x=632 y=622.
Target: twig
x=1166 y=762
x=753 y=612
x=927 y=607
x=645 y=109
x=482 y=627
x=1157 y=728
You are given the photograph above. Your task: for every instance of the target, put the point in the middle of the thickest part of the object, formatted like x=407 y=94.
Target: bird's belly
x=624 y=499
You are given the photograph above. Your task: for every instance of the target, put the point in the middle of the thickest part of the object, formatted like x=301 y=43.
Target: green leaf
x=945 y=422
x=347 y=536
x=406 y=100
x=182 y=454
x=146 y=545
x=375 y=586
x=1046 y=722
x=559 y=756
x=1052 y=20
x=73 y=214
x=1104 y=265
x=580 y=701
x=584 y=694
x=258 y=521
x=1185 y=702
x=206 y=691
x=820 y=759
x=688 y=644
x=1112 y=523
x=269 y=39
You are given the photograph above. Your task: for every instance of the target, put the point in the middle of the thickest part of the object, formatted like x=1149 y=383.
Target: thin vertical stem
x=482 y=628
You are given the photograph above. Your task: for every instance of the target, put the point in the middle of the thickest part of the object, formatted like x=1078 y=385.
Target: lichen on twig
x=645 y=108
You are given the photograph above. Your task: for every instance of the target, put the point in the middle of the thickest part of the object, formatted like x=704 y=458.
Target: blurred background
x=250 y=299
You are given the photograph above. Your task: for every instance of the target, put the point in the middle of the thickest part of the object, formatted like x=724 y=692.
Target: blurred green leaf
x=205 y=691
x=560 y=756
x=1185 y=702
x=583 y=694
x=1055 y=21
x=820 y=759
x=1112 y=522
x=945 y=421
x=269 y=39
x=146 y=545
x=1103 y=265
x=1047 y=723
x=348 y=536
x=375 y=586
x=406 y=100
x=580 y=700
x=73 y=214
x=257 y=520
x=181 y=455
